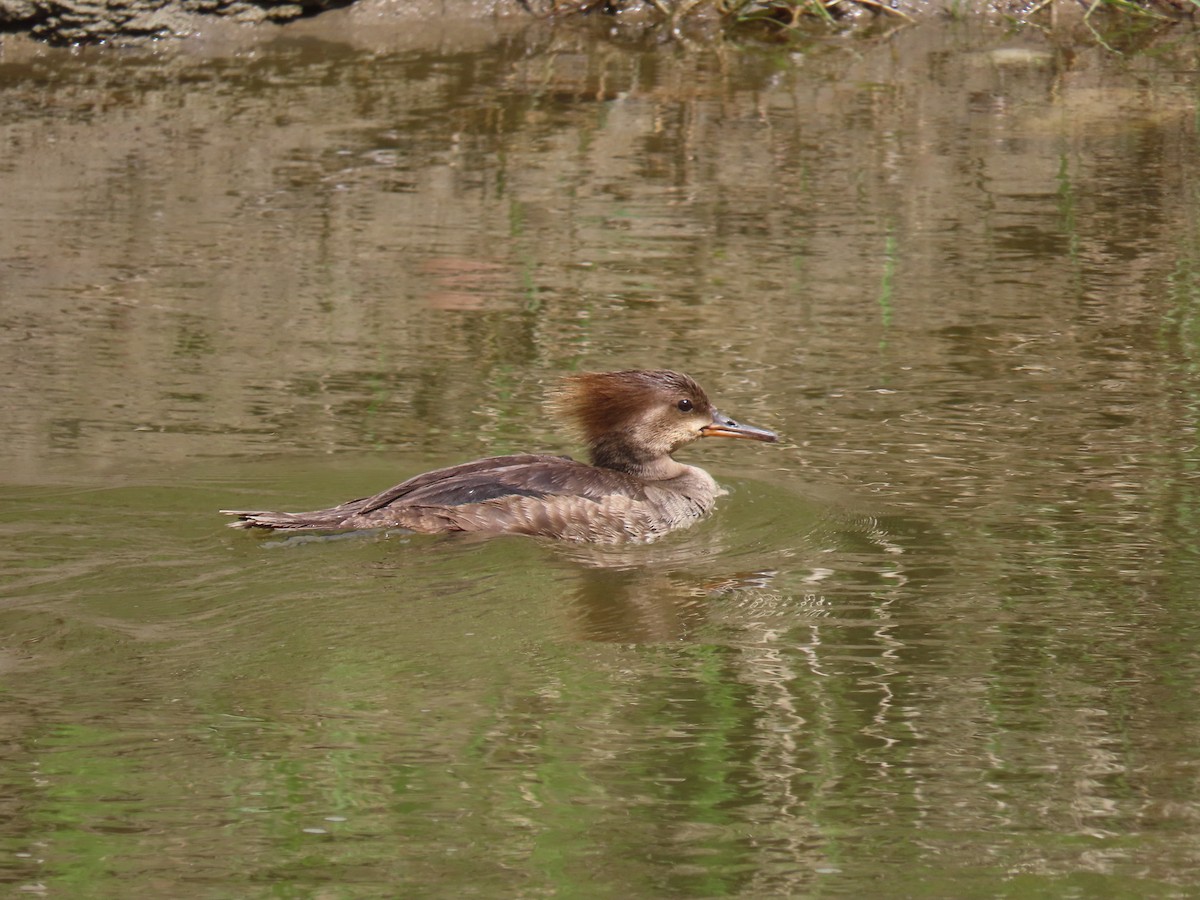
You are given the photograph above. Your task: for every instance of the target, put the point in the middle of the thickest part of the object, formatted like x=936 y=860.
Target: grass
x=794 y=14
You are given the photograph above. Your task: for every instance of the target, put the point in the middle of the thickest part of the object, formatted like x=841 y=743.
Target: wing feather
x=527 y=475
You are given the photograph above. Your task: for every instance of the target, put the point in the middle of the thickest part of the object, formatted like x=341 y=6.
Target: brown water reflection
x=943 y=641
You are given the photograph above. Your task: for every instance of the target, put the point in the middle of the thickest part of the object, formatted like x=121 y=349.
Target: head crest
x=598 y=403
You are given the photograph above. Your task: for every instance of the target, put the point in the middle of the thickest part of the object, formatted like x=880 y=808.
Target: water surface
x=940 y=642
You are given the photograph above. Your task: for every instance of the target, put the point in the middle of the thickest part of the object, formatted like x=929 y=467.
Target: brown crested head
x=631 y=419
x=599 y=403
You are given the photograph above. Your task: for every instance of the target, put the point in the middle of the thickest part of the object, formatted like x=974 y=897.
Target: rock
x=95 y=21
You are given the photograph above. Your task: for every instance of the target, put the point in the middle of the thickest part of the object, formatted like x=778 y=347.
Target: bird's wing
x=526 y=475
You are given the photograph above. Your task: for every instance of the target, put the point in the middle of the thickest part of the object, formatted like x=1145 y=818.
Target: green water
x=939 y=642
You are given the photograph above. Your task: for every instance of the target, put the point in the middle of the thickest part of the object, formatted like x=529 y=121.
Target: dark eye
x=685 y=405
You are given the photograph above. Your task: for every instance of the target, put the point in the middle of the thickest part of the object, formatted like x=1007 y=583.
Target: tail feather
x=282 y=520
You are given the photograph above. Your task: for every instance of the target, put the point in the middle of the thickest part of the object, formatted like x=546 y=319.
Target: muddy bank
x=124 y=21
x=96 y=21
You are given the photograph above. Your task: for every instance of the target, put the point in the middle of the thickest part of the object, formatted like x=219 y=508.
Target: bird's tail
x=282 y=521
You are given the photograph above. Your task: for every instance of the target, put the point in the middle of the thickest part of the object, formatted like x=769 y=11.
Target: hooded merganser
x=633 y=490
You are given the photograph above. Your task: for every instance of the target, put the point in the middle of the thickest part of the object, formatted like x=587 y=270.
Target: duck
x=632 y=489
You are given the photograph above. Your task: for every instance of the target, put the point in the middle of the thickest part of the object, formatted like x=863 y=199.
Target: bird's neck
x=621 y=456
